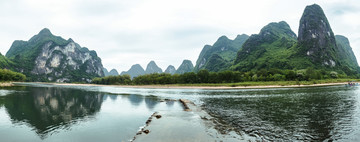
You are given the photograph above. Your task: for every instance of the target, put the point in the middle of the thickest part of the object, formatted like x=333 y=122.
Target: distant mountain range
x=137 y=70
x=113 y=72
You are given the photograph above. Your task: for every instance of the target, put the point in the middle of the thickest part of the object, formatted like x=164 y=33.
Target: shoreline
x=192 y=87
x=6 y=84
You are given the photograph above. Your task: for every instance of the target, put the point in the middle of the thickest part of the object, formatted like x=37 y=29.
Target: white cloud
x=128 y=32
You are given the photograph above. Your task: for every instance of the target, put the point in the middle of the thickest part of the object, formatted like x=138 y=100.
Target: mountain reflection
x=151 y=102
x=49 y=108
x=135 y=99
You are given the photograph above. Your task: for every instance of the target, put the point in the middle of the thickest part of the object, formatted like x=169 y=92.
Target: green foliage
x=346 y=55
x=271 y=48
x=7 y=75
x=204 y=76
x=220 y=56
x=115 y=80
x=333 y=74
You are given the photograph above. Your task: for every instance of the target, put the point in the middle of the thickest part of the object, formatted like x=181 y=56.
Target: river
x=47 y=112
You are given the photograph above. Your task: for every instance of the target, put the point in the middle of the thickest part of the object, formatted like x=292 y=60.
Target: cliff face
x=46 y=57
x=316 y=38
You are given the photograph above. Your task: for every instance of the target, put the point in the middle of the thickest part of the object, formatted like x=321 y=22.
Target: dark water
x=38 y=112
x=48 y=113
x=306 y=114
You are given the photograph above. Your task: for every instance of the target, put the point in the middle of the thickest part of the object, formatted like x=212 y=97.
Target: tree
x=203 y=76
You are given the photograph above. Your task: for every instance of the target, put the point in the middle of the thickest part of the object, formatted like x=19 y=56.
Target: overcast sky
x=127 y=32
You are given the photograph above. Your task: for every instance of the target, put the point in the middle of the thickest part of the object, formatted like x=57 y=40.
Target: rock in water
x=46 y=57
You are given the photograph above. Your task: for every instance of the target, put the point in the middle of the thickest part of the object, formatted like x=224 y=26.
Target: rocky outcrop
x=46 y=57
x=134 y=71
x=152 y=68
x=316 y=38
x=186 y=66
x=170 y=69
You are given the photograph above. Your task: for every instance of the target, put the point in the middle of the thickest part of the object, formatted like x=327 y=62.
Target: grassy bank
x=269 y=83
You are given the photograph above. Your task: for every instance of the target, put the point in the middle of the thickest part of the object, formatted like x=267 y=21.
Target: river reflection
x=51 y=110
x=39 y=112
x=290 y=114
x=48 y=108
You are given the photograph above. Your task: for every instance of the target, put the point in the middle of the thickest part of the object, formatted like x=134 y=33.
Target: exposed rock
x=316 y=38
x=46 y=57
x=146 y=131
x=158 y=116
x=185 y=102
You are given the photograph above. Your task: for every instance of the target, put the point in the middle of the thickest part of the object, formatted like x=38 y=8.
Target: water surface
x=40 y=112
x=48 y=113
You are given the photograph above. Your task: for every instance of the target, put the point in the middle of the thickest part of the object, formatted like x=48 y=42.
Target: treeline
x=8 y=75
x=204 y=76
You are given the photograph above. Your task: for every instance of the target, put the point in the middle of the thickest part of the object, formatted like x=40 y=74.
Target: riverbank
x=6 y=84
x=241 y=85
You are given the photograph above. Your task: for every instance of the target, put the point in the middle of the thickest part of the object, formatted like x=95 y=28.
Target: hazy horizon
x=124 y=33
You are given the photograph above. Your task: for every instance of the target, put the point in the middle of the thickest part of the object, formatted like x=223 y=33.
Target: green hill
x=276 y=46
x=271 y=48
x=46 y=57
x=221 y=55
